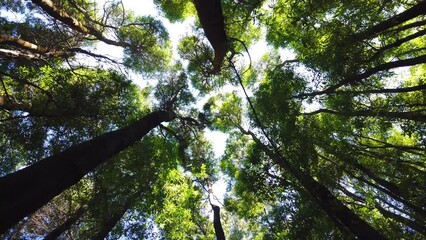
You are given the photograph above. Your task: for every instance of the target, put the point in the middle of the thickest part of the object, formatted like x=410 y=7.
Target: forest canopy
x=325 y=131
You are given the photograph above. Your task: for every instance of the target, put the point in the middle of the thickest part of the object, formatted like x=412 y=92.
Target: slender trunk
x=385 y=90
x=118 y=212
x=417 y=10
x=399 y=218
x=7 y=104
x=335 y=209
x=413 y=115
x=386 y=213
x=8 y=53
x=398 y=43
x=374 y=70
x=405 y=27
x=389 y=186
x=17 y=42
x=32 y=187
x=220 y=235
x=65 y=225
x=415 y=209
x=109 y=224
x=359 y=77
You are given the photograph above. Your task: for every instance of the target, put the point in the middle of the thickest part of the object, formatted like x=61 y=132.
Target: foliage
x=328 y=145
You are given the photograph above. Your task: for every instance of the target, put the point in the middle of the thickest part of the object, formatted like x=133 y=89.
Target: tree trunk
x=417 y=10
x=118 y=212
x=211 y=18
x=397 y=43
x=220 y=235
x=359 y=77
x=30 y=188
x=382 y=185
x=385 y=90
x=109 y=224
x=413 y=115
x=65 y=225
x=335 y=209
x=399 y=218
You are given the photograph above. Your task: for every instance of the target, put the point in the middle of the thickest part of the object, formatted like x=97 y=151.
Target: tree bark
x=386 y=213
x=385 y=90
x=108 y=225
x=22 y=44
x=65 y=225
x=220 y=235
x=211 y=18
x=413 y=115
x=399 y=218
x=359 y=77
x=381 y=184
x=335 y=209
x=417 y=10
x=30 y=188
x=118 y=212
x=398 y=43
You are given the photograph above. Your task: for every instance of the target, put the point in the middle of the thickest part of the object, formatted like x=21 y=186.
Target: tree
x=67 y=168
x=327 y=145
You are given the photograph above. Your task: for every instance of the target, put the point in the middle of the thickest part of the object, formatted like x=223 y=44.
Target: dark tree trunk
x=398 y=43
x=379 y=183
x=385 y=90
x=335 y=209
x=399 y=218
x=30 y=188
x=109 y=224
x=211 y=18
x=118 y=212
x=220 y=235
x=414 y=115
x=356 y=79
x=65 y=225
x=386 y=213
x=417 y=10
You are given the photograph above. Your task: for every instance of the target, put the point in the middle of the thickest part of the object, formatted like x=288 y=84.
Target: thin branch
x=359 y=77
x=418 y=10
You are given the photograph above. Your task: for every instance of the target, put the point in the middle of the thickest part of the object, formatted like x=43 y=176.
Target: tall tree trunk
x=118 y=212
x=211 y=18
x=386 y=213
x=109 y=224
x=399 y=218
x=65 y=225
x=417 y=10
x=344 y=217
x=385 y=90
x=383 y=186
x=28 y=189
x=413 y=115
x=356 y=79
x=220 y=235
x=397 y=43
x=347 y=158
